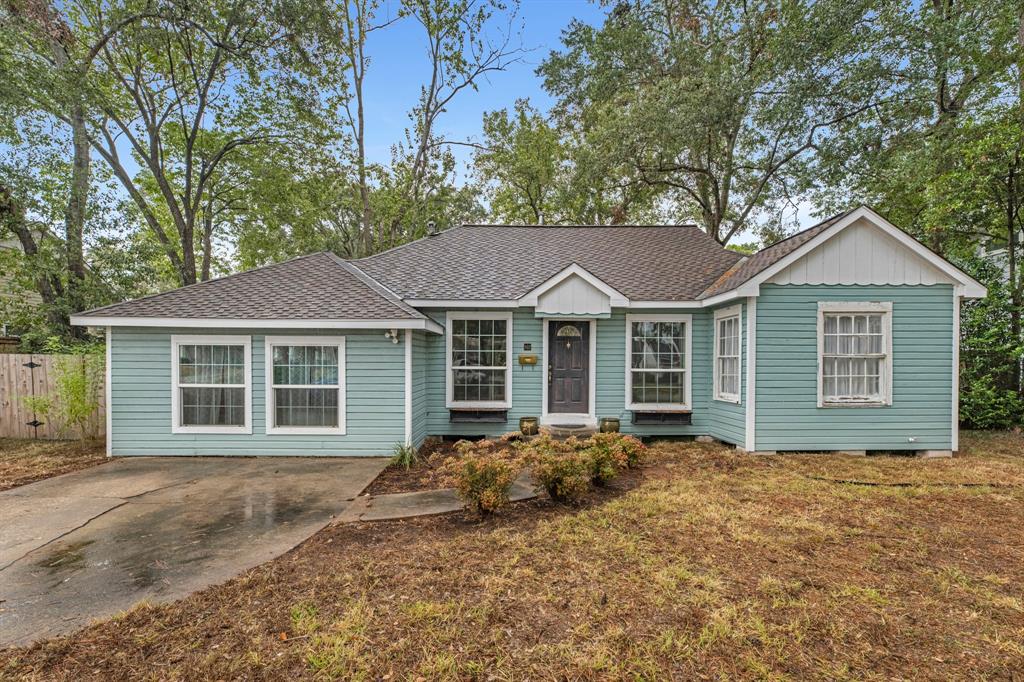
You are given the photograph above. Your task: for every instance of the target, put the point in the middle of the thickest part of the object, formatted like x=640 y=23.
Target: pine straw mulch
x=24 y=460
x=716 y=565
x=427 y=473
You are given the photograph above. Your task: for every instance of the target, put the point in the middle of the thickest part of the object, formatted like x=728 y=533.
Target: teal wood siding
x=141 y=397
x=611 y=374
x=787 y=415
x=526 y=380
x=420 y=375
x=527 y=387
x=728 y=421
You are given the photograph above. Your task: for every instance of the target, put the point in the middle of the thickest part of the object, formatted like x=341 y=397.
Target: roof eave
x=241 y=323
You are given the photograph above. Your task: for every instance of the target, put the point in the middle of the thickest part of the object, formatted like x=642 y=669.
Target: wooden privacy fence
x=24 y=375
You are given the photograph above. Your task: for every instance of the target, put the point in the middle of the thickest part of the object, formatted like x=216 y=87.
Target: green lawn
x=718 y=565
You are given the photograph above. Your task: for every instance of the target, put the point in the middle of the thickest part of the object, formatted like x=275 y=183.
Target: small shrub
x=483 y=475
x=634 y=450
x=404 y=455
x=607 y=456
x=562 y=468
x=565 y=476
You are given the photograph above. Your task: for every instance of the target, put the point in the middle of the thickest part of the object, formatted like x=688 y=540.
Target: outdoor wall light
x=392 y=334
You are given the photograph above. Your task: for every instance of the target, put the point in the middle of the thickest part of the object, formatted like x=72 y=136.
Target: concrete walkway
x=95 y=542
x=423 y=503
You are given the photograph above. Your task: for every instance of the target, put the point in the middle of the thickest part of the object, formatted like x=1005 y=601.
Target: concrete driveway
x=92 y=543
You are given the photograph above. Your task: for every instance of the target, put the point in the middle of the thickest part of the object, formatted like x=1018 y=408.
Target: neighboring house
x=842 y=337
x=8 y=291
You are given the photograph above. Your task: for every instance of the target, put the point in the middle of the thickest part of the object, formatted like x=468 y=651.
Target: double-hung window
x=854 y=354
x=727 y=354
x=211 y=391
x=479 y=363
x=305 y=385
x=657 y=362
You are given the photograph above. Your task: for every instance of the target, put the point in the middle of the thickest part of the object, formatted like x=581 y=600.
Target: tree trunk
x=74 y=214
x=12 y=215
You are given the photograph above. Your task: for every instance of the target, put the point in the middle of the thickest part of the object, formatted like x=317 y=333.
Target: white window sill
x=657 y=407
x=305 y=431
x=854 y=403
x=454 y=405
x=735 y=400
x=246 y=430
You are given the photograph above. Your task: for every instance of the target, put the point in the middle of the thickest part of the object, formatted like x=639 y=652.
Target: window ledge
x=659 y=408
x=246 y=430
x=727 y=399
x=855 y=404
x=300 y=431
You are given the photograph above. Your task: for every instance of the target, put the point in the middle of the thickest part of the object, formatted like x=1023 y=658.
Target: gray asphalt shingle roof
x=492 y=262
x=747 y=269
x=319 y=286
x=473 y=262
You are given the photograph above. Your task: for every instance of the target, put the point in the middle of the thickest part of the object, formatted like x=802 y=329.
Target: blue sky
x=399 y=66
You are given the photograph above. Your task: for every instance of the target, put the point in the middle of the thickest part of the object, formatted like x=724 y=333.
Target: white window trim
x=854 y=307
x=724 y=314
x=450 y=401
x=268 y=369
x=230 y=340
x=687 y=369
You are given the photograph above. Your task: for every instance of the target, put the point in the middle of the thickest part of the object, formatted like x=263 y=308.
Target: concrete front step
x=561 y=432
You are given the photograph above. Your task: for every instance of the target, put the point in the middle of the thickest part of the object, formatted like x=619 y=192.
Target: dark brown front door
x=569 y=367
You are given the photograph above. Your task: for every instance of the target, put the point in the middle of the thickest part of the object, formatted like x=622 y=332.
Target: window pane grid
x=727 y=350
x=479 y=359
x=211 y=365
x=658 y=362
x=211 y=384
x=306 y=386
x=853 y=357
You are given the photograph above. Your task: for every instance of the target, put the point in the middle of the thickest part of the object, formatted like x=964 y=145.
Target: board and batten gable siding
x=861 y=254
x=787 y=413
x=727 y=421
x=141 y=397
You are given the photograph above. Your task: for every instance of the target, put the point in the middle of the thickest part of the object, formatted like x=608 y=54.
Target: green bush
x=562 y=468
x=605 y=456
x=73 y=405
x=983 y=405
x=483 y=474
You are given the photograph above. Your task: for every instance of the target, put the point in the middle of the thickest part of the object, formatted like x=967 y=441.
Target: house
x=11 y=292
x=842 y=337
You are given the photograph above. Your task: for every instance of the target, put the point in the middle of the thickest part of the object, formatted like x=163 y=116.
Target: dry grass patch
x=716 y=566
x=24 y=461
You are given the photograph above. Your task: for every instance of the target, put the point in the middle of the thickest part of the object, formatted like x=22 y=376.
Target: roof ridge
x=147 y=297
x=377 y=287
x=579 y=226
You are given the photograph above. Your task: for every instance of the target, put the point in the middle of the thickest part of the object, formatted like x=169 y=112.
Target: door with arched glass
x=569 y=367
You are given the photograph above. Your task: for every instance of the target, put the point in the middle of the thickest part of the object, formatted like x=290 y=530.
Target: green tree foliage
x=522 y=164
x=715 y=105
